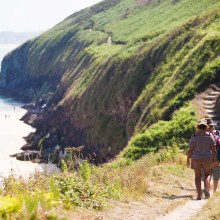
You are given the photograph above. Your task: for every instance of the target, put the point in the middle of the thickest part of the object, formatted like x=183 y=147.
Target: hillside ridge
x=109 y=72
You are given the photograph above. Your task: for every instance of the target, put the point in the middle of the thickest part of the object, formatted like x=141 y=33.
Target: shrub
x=8 y=205
x=74 y=190
x=177 y=131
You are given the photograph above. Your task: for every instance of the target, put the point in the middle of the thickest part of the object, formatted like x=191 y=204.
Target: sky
x=37 y=15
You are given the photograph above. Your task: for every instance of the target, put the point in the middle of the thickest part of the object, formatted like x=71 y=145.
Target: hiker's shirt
x=202 y=144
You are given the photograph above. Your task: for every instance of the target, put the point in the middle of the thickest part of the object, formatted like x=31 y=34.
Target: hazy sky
x=37 y=15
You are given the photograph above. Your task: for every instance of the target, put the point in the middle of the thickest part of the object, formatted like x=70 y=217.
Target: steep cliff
x=108 y=72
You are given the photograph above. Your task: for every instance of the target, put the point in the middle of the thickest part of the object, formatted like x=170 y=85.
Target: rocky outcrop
x=29 y=155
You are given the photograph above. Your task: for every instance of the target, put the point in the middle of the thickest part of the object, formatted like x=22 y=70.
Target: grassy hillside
x=116 y=77
x=115 y=69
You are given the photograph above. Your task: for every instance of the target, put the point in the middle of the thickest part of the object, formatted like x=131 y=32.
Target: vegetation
x=59 y=196
x=30 y=199
x=119 y=67
x=121 y=76
x=45 y=196
x=164 y=134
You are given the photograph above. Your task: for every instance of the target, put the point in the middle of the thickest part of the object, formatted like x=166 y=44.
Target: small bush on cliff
x=177 y=131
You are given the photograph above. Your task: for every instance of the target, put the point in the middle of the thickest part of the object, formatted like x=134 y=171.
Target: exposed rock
x=28 y=155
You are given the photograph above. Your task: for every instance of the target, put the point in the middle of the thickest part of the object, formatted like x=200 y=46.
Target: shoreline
x=12 y=133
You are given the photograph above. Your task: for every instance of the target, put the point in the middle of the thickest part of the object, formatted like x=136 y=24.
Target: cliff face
x=17 y=60
x=114 y=69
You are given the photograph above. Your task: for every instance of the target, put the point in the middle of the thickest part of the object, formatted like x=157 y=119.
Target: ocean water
x=12 y=131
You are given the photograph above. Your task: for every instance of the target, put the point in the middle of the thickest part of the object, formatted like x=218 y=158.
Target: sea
x=12 y=133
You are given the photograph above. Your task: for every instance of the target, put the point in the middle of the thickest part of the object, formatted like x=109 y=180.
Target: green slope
x=117 y=68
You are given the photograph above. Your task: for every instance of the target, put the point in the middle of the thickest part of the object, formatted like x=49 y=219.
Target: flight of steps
x=210 y=106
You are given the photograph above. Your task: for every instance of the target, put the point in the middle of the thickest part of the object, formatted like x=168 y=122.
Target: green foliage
x=82 y=193
x=126 y=22
x=167 y=155
x=40 y=193
x=24 y=198
x=121 y=162
x=183 y=72
x=31 y=204
x=161 y=54
x=162 y=134
x=40 y=143
x=85 y=170
x=63 y=165
x=8 y=205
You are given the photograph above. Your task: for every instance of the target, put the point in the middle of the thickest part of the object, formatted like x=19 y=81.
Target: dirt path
x=160 y=198
x=153 y=208
x=185 y=212
x=141 y=211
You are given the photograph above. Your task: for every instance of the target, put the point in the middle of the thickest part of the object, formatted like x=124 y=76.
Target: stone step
x=211 y=111
x=217 y=93
x=208 y=103
x=210 y=98
x=213 y=96
x=215 y=87
x=213 y=116
x=210 y=107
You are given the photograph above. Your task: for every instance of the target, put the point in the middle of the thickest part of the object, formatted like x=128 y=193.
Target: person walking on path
x=215 y=169
x=201 y=152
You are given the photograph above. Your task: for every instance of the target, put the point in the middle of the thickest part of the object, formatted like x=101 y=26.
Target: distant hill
x=8 y=37
x=107 y=74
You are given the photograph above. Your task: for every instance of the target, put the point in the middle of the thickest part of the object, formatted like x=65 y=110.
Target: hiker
x=215 y=169
x=201 y=152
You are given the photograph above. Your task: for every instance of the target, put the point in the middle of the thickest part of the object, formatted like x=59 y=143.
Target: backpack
x=217 y=139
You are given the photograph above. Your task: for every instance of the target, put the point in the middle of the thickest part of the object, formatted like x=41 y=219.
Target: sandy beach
x=12 y=131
